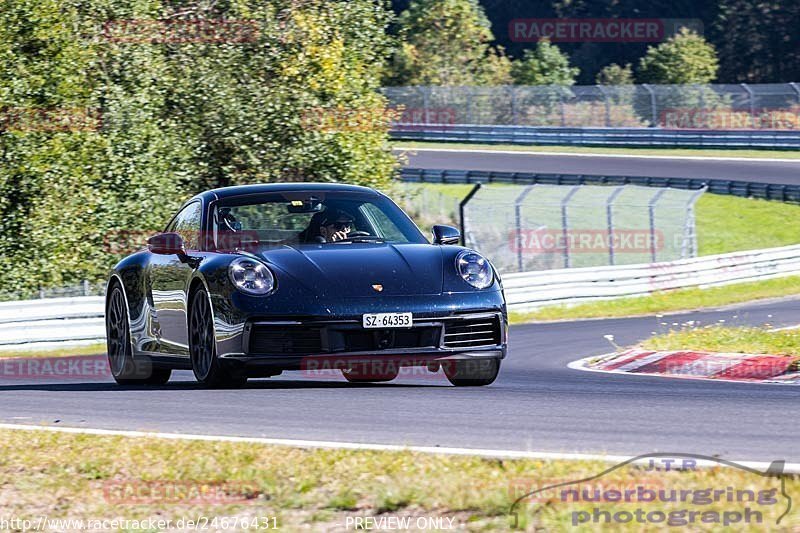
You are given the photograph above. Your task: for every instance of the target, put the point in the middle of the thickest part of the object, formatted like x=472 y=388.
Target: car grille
x=360 y=340
x=285 y=339
x=472 y=332
x=328 y=338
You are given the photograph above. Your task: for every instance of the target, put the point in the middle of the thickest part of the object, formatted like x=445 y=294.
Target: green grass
x=89 y=349
x=667 y=302
x=718 y=338
x=72 y=476
x=674 y=152
x=731 y=224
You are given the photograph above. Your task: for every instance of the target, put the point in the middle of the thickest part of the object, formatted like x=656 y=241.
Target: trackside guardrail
x=747 y=189
x=81 y=318
x=52 y=320
x=772 y=139
x=530 y=290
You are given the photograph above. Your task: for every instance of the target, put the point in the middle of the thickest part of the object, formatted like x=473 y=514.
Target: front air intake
x=472 y=332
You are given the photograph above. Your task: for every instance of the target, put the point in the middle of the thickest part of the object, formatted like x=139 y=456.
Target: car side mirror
x=166 y=244
x=445 y=235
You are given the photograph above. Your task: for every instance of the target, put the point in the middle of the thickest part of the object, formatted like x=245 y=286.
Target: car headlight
x=251 y=276
x=474 y=269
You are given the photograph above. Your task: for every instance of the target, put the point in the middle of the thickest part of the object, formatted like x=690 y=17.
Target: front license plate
x=387 y=320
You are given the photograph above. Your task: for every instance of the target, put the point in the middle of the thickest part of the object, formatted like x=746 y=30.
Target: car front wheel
x=124 y=368
x=207 y=367
x=471 y=372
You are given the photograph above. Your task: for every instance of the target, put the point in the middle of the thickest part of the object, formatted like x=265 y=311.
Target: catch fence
x=535 y=227
x=704 y=107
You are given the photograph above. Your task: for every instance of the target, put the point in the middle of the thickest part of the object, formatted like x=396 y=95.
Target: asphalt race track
x=765 y=171
x=537 y=403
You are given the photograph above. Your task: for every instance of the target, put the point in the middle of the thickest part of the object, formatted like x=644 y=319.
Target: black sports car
x=253 y=280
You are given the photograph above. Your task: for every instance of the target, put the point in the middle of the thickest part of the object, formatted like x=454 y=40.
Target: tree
x=685 y=58
x=239 y=105
x=543 y=65
x=447 y=42
x=758 y=42
x=614 y=74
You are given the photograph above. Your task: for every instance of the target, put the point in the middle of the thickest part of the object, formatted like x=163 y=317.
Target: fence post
x=607 y=103
x=85 y=284
x=610 y=221
x=514 y=118
x=653 y=112
x=651 y=208
x=565 y=223
x=461 y=207
x=690 y=226
x=518 y=223
x=794 y=86
x=469 y=104
x=425 y=104
x=561 y=108
x=752 y=101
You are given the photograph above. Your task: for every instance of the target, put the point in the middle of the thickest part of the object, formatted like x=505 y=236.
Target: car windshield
x=311 y=217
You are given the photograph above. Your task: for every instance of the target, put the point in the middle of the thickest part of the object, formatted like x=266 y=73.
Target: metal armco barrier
x=530 y=290
x=772 y=139
x=81 y=319
x=747 y=189
x=52 y=320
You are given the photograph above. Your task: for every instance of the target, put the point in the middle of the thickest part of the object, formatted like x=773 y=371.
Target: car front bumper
x=445 y=328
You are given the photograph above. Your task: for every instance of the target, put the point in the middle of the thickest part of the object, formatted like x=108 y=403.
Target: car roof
x=238 y=190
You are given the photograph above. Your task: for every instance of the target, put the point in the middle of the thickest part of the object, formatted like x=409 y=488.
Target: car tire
x=125 y=369
x=363 y=373
x=207 y=367
x=471 y=372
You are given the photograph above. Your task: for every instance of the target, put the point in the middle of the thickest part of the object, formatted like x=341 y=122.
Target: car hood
x=351 y=269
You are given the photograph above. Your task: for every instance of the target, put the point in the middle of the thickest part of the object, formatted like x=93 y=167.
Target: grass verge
x=731 y=224
x=670 y=152
x=718 y=338
x=89 y=349
x=84 y=477
x=668 y=301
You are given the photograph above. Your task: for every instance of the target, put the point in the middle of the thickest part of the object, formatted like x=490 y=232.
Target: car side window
x=187 y=224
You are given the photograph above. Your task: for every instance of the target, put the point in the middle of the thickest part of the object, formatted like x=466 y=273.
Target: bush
x=683 y=58
x=544 y=65
x=113 y=116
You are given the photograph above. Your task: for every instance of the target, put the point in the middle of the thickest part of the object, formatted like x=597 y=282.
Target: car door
x=169 y=277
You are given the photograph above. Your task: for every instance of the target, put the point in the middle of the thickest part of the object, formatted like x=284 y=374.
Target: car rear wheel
x=472 y=372
x=124 y=368
x=207 y=367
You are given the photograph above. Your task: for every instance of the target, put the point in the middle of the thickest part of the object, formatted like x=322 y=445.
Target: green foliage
x=544 y=65
x=684 y=58
x=446 y=42
x=758 y=41
x=177 y=118
x=614 y=74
